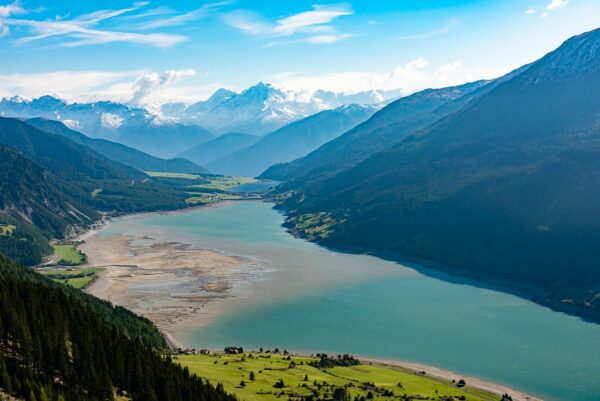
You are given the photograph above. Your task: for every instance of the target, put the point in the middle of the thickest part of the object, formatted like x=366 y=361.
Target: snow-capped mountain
x=131 y=126
x=263 y=108
x=175 y=127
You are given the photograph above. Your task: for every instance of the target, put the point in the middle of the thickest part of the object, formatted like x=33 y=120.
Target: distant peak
x=17 y=99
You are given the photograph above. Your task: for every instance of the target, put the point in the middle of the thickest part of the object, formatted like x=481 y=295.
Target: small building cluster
x=234 y=350
x=191 y=351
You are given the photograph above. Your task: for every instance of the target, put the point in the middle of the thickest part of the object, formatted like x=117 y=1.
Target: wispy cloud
x=314 y=25
x=87 y=29
x=449 y=26
x=554 y=5
x=205 y=11
x=319 y=15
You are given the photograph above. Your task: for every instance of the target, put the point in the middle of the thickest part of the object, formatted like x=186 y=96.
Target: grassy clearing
x=77 y=278
x=7 y=229
x=225 y=183
x=96 y=192
x=314 y=224
x=185 y=176
x=204 y=198
x=300 y=379
x=67 y=254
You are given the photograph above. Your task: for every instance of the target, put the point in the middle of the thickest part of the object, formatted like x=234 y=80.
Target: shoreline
x=174 y=342
x=448 y=375
x=452 y=274
x=442 y=375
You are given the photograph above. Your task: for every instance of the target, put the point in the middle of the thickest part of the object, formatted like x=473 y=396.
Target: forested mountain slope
x=93 y=179
x=60 y=344
x=507 y=187
x=118 y=152
x=52 y=187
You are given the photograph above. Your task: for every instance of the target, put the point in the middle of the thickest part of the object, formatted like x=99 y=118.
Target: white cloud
x=11 y=9
x=556 y=4
x=319 y=15
x=6 y=11
x=314 y=25
x=414 y=75
x=326 y=39
x=246 y=21
x=82 y=30
x=146 y=84
x=530 y=10
x=449 y=26
x=122 y=86
x=67 y=84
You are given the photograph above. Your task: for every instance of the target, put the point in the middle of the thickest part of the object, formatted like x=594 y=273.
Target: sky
x=158 y=51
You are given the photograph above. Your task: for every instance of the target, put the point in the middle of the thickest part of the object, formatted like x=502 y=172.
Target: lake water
x=313 y=299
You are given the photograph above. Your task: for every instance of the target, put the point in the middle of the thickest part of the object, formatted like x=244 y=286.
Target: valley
x=235 y=201
x=288 y=293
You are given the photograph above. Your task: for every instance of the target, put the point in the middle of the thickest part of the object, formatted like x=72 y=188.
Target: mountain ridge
x=505 y=187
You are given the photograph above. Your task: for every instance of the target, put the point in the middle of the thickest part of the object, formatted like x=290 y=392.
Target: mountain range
x=130 y=126
x=264 y=108
x=503 y=186
x=177 y=127
x=291 y=141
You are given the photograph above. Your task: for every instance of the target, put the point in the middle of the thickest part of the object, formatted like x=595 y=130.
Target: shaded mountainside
x=60 y=344
x=219 y=147
x=52 y=187
x=385 y=128
x=507 y=187
x=292 y=141
x=93 y=179
x=31 y=197
x=118 y=152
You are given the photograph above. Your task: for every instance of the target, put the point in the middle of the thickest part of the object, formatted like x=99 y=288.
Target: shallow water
x=313 y=299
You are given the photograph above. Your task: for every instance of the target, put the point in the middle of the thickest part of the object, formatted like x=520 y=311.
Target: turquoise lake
x=312 y=299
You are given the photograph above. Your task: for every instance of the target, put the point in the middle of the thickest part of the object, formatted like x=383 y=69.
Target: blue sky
x=158 y=51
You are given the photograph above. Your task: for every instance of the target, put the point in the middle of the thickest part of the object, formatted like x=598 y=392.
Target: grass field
x=204 y=198
x=300 y=379
x=68 y=254
x=225 y=183
x=184 y=176
x=7 y=229
x=77 y=278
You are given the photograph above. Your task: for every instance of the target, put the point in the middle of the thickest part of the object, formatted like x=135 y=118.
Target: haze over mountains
x=504 y=186
x=291 y=141
x=263 y=108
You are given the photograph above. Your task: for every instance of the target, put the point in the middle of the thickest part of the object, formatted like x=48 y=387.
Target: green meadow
x=270 y=377
x=77 y=278
x=67 y=254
